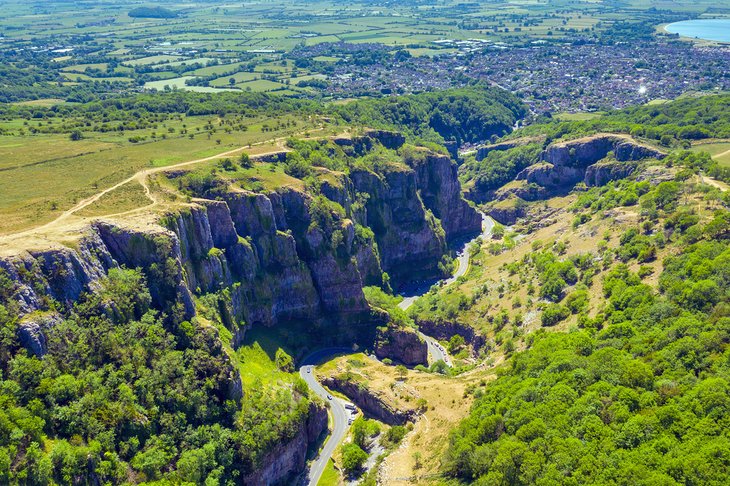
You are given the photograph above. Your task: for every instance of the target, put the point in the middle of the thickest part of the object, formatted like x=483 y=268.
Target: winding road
x=340 y=414
x=436 y=352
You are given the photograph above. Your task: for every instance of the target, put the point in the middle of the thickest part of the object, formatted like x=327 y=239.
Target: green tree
x=553 y=314
x=245 y=161
x=456 y=343
x=353 y=458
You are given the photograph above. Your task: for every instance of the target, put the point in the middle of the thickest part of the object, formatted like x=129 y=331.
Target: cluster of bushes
x=554 y=274
x=614 y=194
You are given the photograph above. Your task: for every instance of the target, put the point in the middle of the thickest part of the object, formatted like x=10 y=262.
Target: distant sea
x=707 y=29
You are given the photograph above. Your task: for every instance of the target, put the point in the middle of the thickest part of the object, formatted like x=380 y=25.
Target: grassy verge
x=330 y=476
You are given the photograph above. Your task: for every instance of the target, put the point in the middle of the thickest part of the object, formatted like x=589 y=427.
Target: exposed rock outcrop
x=587 y=160
x=410 y=243
x=601 y=173
x=585 y=151
x=288 y=458
x=485 y=150
x=527 y=191
x=370 y=402
x=388 y=139
x=400 y=344
x=507 y=211
x=31 y=332
x=440 y=191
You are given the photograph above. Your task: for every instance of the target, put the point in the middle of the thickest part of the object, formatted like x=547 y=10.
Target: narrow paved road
x=340 y=415
x=435 y=350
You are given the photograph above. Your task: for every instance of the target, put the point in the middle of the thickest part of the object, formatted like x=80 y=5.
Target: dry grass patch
x=125 y=198
x=447 y=402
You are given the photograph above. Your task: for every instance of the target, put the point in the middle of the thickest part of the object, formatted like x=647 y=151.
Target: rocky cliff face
x=485 y=150
x=276 y=260
x=369 y=401
x=403 y=345
x=440 y=191
x=410 y=242
x=288 y=458
x=586 y=160
x=444 y=330
x=594 y=161
x=586 y=151
x=270 y=258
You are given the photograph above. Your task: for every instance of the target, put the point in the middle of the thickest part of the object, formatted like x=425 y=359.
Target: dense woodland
x=636 y=395
x=466 y=115
x=127 y=394
x=457 y=116
x=672 y=124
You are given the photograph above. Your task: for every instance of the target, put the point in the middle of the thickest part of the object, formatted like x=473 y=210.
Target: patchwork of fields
x=243 y=46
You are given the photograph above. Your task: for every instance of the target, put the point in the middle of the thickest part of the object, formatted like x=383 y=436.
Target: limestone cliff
x=594 y=161
x=370 y=402
x=402 y=345
x=567 y=163
x=440 y=191
x=288 y=458
x=585 y=151
x=274 y=252
x=410 y=242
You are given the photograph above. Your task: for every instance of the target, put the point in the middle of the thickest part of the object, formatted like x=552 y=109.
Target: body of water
x=707 y=29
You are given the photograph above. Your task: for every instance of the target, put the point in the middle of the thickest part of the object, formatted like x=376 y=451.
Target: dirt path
x=714 y=183
x=140 y=177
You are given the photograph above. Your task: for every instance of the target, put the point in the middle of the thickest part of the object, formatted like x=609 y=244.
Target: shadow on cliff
x=299 y=338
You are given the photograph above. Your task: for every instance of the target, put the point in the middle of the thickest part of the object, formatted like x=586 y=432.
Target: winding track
x=435 y=351
x=340 y=415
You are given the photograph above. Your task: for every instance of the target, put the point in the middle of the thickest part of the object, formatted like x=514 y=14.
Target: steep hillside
x=245 y=245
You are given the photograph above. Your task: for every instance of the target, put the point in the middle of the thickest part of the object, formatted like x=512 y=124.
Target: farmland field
x=204 y=42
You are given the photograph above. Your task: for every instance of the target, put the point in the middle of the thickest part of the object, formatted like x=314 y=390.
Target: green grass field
x=330 y=476
x=719 y=151
x=578 y=116
x=42 y=175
